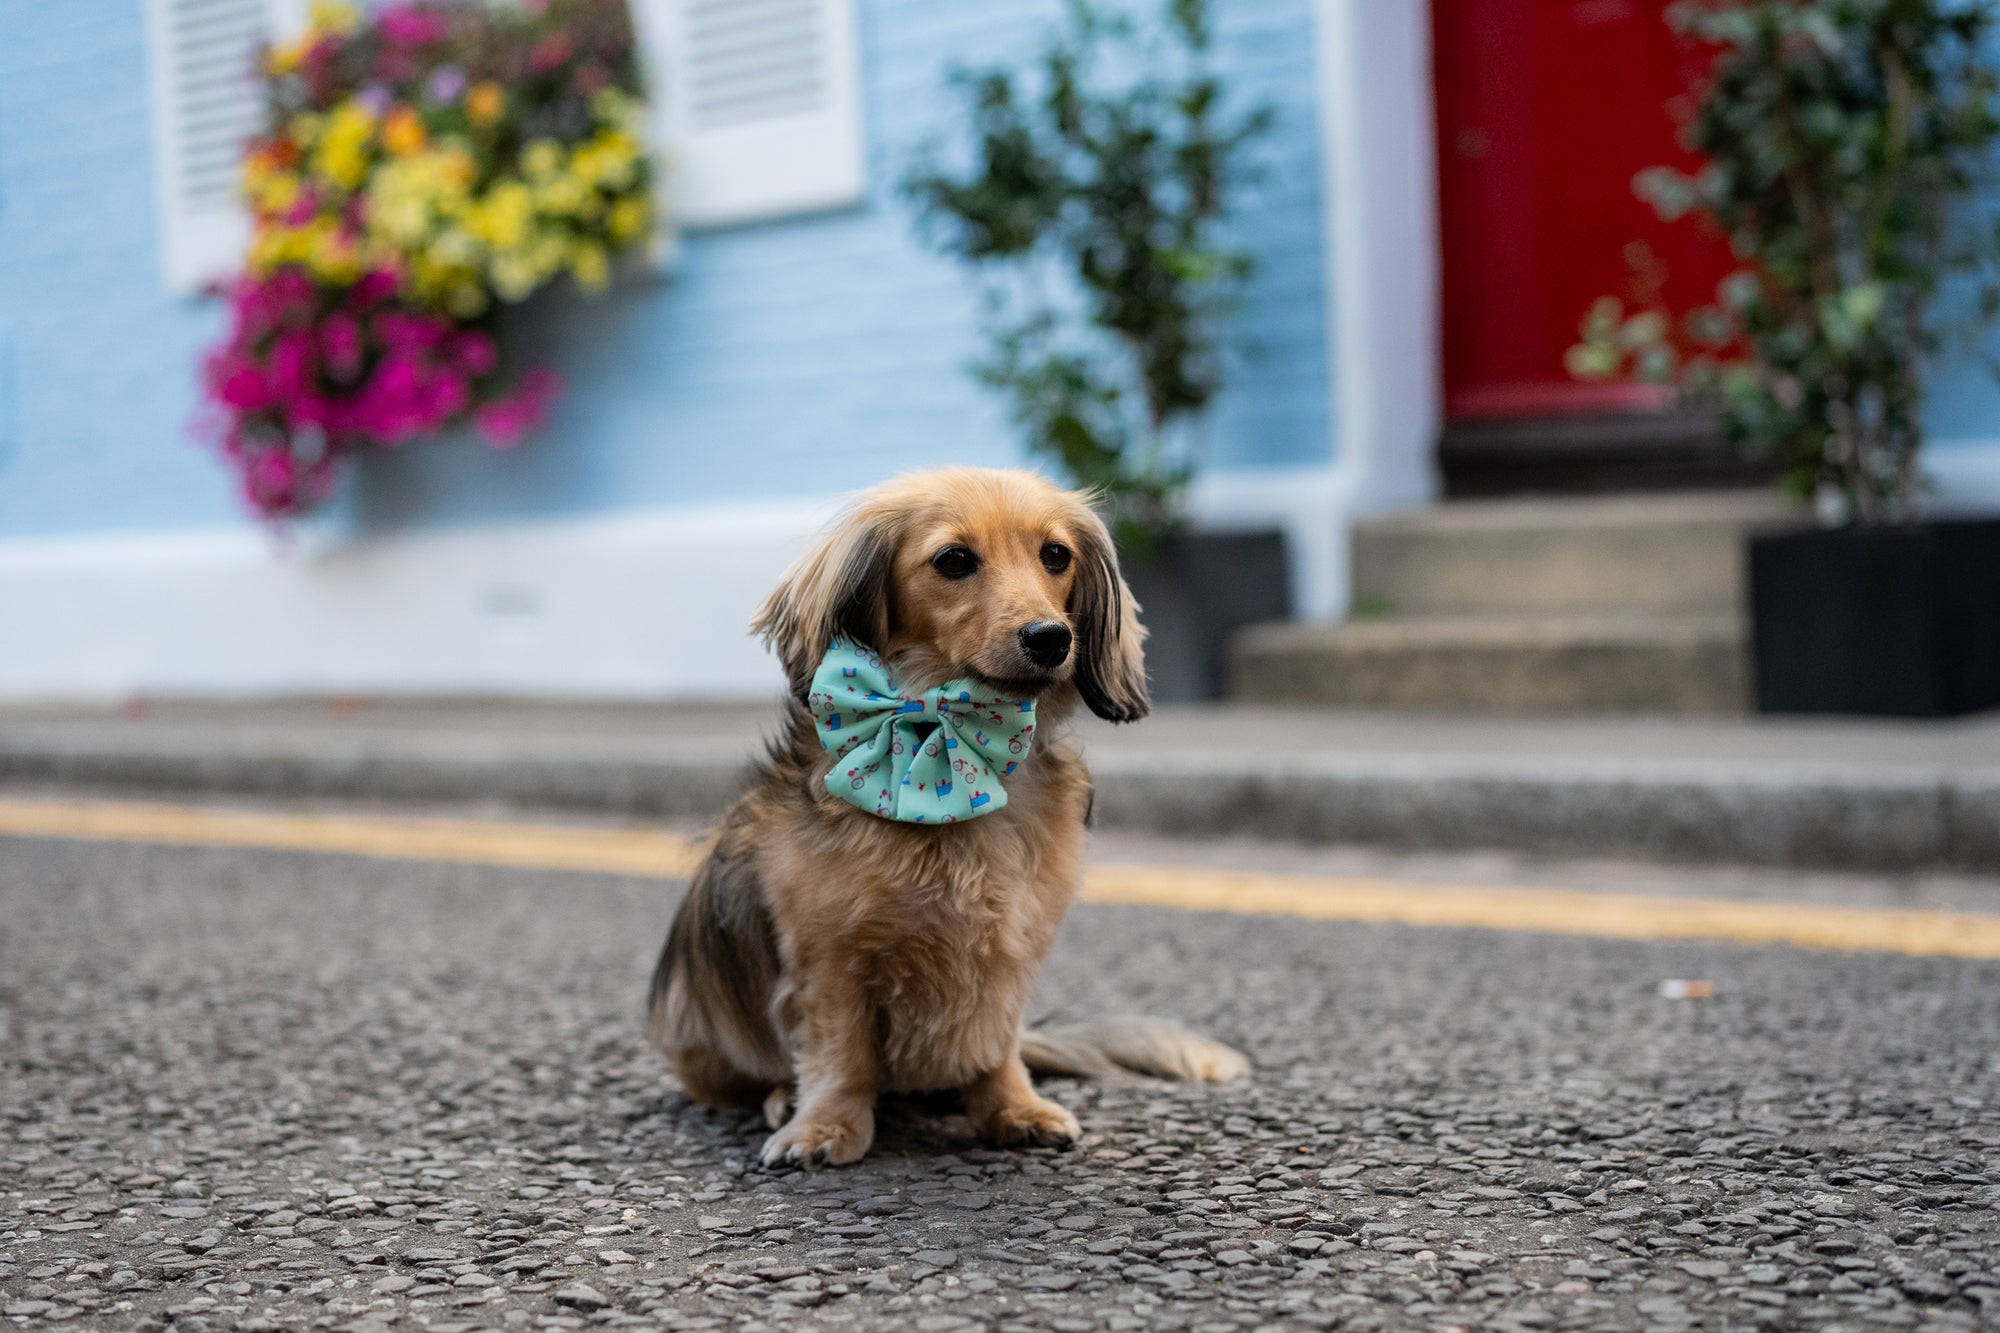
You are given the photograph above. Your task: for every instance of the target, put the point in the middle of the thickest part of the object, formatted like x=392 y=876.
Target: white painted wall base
x=641 y=606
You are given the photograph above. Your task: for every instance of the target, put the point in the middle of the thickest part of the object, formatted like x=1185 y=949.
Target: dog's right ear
x=839 y=587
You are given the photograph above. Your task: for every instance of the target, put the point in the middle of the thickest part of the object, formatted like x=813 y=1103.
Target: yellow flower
x=513 y=277
x=342 y=155
x=334 y=16
x=277 y=193
x=541 y=158
x=467 y=300
x=453 y=249
x=485 y=103
x=563 y=196
x=285 y=58
x=610 y=159
x=502 y=216
x=410 y=198
x=619 y=110
x=629 y=219
x=591 y=266
x=403 y=132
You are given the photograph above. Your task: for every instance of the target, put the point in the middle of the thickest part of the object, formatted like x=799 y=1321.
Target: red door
x=1546 y=110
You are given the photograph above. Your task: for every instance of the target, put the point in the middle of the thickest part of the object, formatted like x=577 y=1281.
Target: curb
x=1800 y=816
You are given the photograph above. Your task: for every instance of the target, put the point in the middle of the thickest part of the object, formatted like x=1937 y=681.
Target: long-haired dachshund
x=875 y=909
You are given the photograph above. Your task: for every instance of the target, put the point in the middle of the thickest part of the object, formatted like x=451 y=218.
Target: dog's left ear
x=839 y=587
x=1111 y=659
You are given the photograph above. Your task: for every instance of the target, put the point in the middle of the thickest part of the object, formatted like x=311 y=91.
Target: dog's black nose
x=1046 y=642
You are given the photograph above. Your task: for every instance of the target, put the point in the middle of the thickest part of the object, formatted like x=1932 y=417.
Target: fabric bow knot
x=932 y=758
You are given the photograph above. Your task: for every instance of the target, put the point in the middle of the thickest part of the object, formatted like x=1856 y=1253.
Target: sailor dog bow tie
x=935 y=758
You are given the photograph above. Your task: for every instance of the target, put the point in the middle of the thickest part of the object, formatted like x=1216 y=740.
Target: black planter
x=1194 y=591
x=1897 y=621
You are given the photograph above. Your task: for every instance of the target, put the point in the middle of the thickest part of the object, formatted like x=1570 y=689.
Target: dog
x=830 y=949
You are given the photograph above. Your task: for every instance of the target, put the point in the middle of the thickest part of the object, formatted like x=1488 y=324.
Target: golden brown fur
x=824 y=954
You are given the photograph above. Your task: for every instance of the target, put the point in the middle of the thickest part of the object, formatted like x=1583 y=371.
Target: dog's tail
x=1118 y=1048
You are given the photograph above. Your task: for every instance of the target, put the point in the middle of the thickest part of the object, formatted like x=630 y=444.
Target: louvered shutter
x=759 y=106
x=206 y=100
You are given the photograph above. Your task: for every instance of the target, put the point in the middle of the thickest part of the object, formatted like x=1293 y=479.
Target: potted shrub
x=1843 y=141
x=1092 y=208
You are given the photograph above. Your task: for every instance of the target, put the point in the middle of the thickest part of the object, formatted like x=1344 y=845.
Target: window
x=758 y=106
x=206 y=100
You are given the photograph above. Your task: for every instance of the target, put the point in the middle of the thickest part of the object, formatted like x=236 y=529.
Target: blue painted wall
x=102 y=361
x=793 y=358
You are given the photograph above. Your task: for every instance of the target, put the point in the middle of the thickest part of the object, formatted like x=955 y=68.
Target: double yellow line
x=613 y=851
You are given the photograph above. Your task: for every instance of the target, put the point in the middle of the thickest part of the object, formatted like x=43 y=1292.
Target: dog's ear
x=839 y=587
x=1111 y=660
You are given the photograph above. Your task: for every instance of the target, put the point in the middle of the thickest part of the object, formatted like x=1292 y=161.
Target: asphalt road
x=256 y=1090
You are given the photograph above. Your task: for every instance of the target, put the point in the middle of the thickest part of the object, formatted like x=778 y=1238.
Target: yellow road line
x=1334 y=898
x=472 y=841
x=1554 y=911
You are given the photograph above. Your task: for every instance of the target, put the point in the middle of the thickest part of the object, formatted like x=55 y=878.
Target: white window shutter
x=206 y=101
x=758 y=106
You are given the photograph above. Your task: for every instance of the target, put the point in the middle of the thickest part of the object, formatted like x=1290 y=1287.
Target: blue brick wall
x=788 y=359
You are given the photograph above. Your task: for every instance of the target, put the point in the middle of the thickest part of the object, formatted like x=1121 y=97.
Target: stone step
x=1606 y=556
x=1503 y=664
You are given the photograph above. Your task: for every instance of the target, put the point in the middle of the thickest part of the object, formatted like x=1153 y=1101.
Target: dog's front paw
x=820 y=1140
x=1038 y=1123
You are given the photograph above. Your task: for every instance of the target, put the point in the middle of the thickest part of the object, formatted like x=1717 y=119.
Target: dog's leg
x=1005 y=1109
x=838 y=1074
x=778 y=1106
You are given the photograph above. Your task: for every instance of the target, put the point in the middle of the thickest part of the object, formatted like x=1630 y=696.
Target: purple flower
x=447 y=85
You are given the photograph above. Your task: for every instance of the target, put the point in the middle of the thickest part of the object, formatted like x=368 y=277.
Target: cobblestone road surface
x=245 y=1090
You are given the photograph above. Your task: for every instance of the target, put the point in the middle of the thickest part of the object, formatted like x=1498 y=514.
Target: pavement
x=1888 y=796
x=256 y=1089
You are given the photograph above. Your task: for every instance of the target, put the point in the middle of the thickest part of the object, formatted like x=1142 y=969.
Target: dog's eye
x=955 y=562
x=1055 y=557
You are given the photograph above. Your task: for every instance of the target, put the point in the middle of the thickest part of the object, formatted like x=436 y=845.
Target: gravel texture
x=259 y=1091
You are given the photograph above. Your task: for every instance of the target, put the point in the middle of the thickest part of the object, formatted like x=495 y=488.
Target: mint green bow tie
x=934 y=758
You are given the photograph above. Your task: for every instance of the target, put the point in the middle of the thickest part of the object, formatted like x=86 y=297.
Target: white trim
x=1307 y=504
x=637 y=606
x=197 y=244
x=640 y=606
x=1964 y=476
x=1379 y=181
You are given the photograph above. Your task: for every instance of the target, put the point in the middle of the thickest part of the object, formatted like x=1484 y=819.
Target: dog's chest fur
x=942 y=928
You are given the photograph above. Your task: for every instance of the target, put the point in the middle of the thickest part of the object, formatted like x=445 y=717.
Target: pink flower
x=238 y=385
x=375 y=287
x=340 y=340
x=293 y=365
x=474 y=353
x=278 y=485
x=508 y=421
x=407 y=25
x=551 y=52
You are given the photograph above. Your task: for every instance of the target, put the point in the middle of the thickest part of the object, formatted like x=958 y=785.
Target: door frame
x=1379 y=202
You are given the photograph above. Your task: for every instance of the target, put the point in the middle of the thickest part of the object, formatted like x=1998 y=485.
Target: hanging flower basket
x=422 y=168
